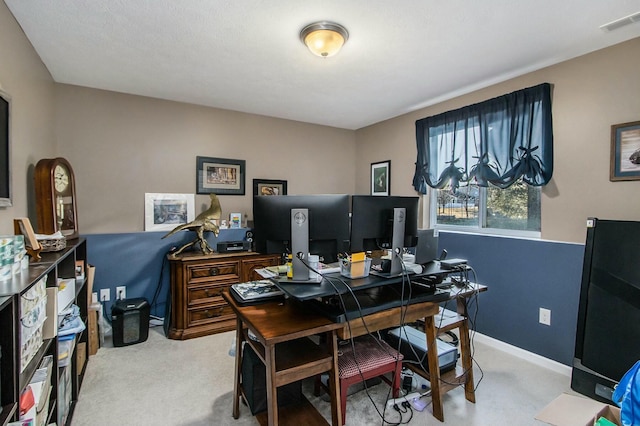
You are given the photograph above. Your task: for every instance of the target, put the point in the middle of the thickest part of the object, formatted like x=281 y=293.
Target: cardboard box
x=81 y=356
x=91 y=273
x=94 y=339
x=572 y=410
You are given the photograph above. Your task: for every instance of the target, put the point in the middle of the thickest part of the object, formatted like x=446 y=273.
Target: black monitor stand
x=397 y=244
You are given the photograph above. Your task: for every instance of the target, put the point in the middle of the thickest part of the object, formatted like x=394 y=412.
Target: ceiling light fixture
x=324 y=38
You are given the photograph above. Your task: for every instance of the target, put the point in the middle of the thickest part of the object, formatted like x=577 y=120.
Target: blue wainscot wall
x=523 y=276
x=138 y=261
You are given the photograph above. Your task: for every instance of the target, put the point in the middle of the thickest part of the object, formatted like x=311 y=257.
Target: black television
x=608 y=331
x=327 y=225
x=382 y=223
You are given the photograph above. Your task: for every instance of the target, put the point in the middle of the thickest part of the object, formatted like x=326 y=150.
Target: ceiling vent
x=614 y=25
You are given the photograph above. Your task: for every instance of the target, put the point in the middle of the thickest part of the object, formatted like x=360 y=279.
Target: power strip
x=406 y=398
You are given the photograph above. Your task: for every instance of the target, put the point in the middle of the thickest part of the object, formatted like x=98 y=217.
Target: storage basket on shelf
x=53 y=244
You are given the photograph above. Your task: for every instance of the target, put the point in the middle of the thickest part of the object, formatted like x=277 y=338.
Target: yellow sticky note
x=357 y=264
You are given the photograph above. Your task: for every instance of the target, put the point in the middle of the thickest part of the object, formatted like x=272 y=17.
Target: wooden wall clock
x=56 y=197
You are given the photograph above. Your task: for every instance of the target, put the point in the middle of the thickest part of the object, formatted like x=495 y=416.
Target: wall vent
x=614 y=25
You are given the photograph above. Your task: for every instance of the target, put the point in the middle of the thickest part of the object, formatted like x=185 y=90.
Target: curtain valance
x=497 y=141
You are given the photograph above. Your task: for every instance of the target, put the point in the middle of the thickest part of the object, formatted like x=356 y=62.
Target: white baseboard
x=523 y=354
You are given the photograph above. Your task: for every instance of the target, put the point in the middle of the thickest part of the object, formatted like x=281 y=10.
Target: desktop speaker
x=130 y=321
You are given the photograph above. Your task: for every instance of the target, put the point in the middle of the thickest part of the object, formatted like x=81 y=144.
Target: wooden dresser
x=197 y=282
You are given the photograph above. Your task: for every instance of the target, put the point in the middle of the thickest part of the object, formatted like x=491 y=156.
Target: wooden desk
x=274 y=323
x=427 y=312
x=282 y=330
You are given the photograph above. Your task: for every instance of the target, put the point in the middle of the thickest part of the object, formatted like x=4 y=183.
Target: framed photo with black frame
x=222 y=176
x=381 y=178
x=269 y=187
x=625 y=151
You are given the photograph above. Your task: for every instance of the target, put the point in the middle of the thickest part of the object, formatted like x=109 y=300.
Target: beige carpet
x=168 y=382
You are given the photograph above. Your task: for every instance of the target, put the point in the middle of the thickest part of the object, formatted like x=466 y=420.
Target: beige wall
x=27 y=81
x=590 y=94
x=122 y=146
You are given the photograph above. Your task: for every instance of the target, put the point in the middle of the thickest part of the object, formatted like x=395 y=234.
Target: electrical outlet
x=545 y=316
x=105 y=294
x=121 y=292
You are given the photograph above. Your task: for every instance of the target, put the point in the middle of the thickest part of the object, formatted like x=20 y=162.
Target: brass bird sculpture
x=203 y=222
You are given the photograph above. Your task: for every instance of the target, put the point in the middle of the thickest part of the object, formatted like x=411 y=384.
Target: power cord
x=351 y=340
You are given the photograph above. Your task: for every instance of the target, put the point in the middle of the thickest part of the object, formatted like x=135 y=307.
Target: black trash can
x=130 y=321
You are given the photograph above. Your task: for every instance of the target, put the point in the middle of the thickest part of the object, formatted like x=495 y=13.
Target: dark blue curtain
x=496 y=142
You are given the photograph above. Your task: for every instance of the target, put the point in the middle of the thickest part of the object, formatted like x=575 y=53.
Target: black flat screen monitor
x=608 y=334
x=328 y=223
x=372 y=221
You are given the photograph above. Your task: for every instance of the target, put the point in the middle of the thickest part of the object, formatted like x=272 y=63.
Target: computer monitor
x=379 y=223
x=301 y=224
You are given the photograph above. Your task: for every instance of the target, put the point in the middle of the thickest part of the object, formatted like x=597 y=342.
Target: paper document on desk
x=271 y=271
x=329 y=268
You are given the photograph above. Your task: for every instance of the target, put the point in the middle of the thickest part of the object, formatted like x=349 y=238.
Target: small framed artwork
x=380 y=178
x=269 y=187
x=625 y=151
x=163 y=212
x=235 y=220
x=219 y=176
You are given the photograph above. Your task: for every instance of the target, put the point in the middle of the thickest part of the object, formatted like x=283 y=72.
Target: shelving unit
x=13 y=381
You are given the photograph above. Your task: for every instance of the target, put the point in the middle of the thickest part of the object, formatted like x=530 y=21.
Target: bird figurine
x=205 y=221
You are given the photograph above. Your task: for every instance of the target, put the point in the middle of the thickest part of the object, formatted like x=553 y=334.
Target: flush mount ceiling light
x=324 y=38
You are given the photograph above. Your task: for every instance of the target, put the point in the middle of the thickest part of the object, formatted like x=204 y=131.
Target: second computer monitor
x=372 y=221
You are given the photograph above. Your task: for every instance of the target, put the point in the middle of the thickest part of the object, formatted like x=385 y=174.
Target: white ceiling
x=246 y=55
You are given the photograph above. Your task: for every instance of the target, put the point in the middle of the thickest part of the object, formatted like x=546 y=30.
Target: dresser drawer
x=200 y=273
x=209 y=314
x=206 y=294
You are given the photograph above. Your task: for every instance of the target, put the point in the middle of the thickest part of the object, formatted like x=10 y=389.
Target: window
x=513 y=211
x=486 y=162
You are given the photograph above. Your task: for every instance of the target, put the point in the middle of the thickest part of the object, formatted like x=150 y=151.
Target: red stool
x=372 y=358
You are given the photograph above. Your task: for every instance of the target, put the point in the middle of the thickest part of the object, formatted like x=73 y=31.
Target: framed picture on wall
x=269 y=187
x=163 y=212
x=219 y=176
x=381 y=178
x=625 y=151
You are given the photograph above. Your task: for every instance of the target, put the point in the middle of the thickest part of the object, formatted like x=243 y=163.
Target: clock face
x=60 y=178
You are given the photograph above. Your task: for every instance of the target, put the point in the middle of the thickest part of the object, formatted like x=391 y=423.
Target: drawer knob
x=211 y=293
x=213 y=271
x=213 y=313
